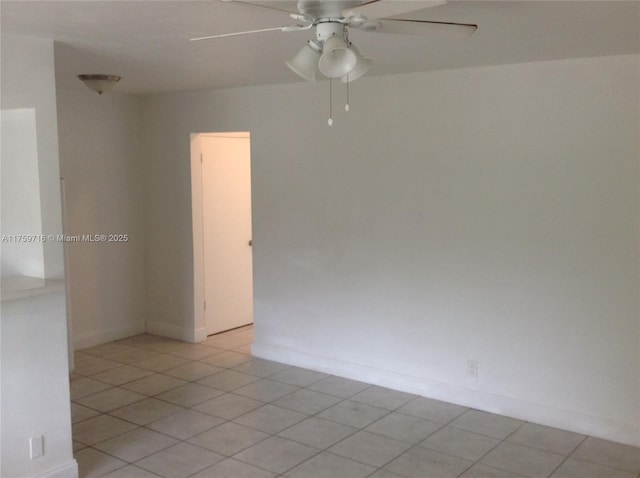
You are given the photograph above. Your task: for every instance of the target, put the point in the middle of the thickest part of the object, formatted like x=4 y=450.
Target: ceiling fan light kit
x=305 y=63
x=362 y=66
x=331 y=54
x=337 y=59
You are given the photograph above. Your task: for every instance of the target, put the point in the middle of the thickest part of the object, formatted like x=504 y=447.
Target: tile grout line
x=569 y=455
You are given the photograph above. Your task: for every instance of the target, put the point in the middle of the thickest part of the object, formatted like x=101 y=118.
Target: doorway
x=223 y=259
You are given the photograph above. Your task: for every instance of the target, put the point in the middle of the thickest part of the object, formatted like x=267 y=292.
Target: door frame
x=199 y=321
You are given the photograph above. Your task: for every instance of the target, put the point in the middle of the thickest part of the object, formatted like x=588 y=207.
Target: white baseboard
x=68 y=470
x=97 y=337
x=186 y=334
x=200 y=335
x=602 y=427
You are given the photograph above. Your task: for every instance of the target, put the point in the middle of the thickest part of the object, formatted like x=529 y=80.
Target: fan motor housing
x=327 y=29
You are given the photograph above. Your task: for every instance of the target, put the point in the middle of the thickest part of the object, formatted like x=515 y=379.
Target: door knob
x=250 y=242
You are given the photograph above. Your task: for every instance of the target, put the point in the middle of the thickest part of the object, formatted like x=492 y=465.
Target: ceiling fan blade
x=260 y=4
x=423 y=28
x=235 y=34
x=377 y=9
x=288 y=28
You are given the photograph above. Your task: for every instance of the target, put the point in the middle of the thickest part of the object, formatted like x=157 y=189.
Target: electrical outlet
x=36 y=447
x=472 y=368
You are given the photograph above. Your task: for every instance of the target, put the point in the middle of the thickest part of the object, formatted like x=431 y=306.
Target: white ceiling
x=147 y=42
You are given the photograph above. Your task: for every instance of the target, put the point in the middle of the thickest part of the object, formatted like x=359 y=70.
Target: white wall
x=486 y=213
x=35 y=386
x=20 y=184
x=34 y=371
x=31 y=84
x=101 y=162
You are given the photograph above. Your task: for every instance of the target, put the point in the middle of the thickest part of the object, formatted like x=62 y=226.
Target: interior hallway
x=148 y=406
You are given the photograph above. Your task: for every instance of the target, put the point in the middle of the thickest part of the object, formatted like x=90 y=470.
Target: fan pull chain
x=330 y=122
x=346 y=106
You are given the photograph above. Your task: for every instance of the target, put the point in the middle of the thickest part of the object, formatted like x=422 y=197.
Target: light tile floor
x=148 y=406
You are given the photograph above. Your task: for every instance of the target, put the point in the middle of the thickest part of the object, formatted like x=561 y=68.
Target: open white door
x=226 y=226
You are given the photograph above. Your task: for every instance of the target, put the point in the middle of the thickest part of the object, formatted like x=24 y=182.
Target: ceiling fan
x=330 y=52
